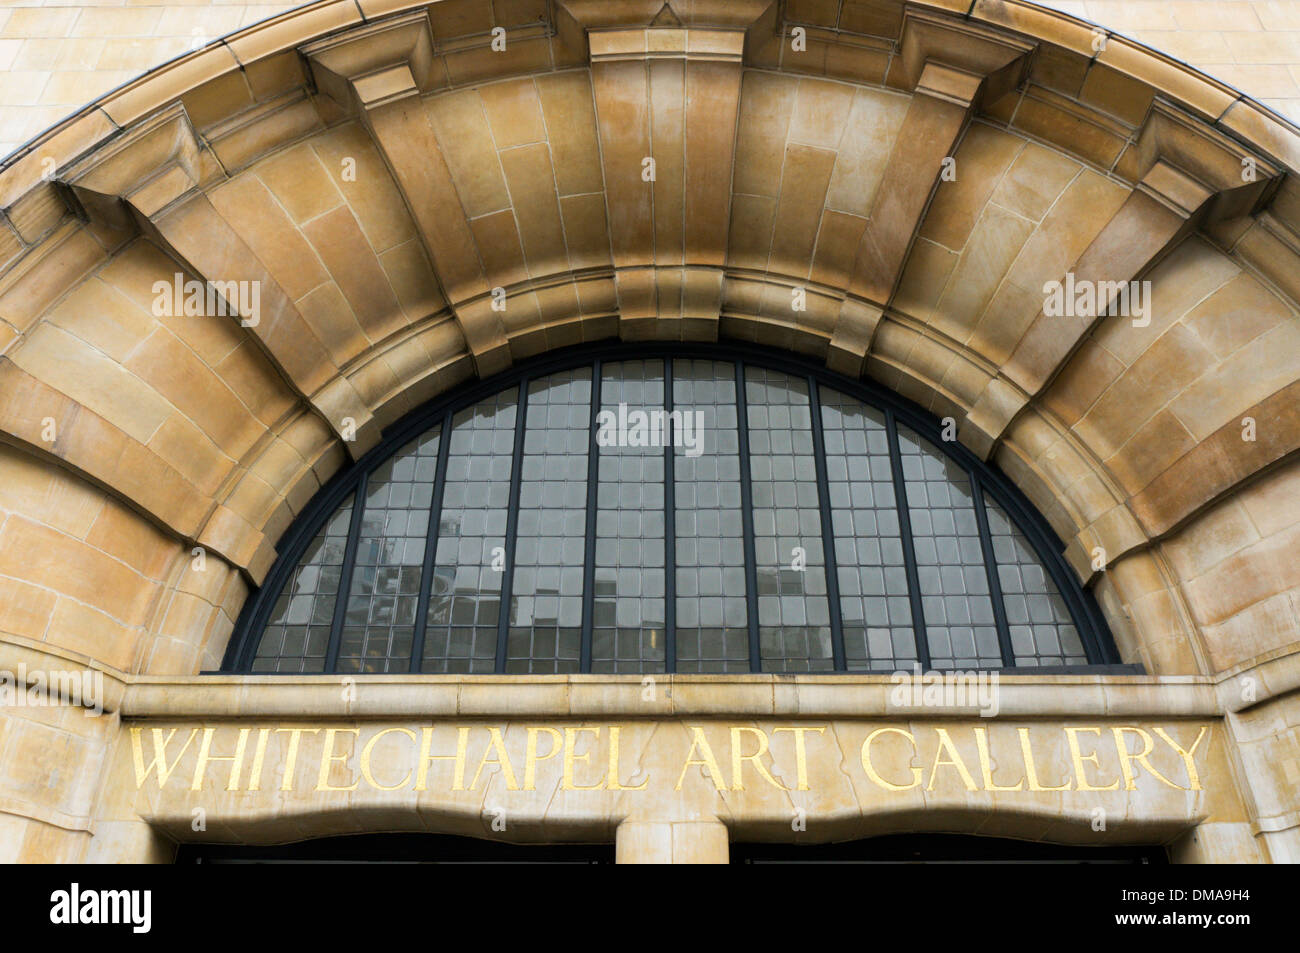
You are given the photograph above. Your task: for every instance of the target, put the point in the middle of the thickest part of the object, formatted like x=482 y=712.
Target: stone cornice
x=1033 y=697
x=150 y=166
x=960 y=60
x=996 y=37
x=1239 y=689
x=1180 y=157
x=376 y=63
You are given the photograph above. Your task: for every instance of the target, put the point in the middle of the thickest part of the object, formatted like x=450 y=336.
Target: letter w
x=159 y=755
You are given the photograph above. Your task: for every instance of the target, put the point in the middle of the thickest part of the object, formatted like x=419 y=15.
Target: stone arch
x=822 y=171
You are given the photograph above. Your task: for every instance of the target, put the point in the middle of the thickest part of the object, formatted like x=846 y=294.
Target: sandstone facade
x=379 y=169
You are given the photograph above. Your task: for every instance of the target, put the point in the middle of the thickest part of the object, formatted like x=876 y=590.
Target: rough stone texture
x=150 y=459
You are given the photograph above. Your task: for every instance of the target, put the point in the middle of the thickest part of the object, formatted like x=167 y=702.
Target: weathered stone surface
x=424 y=180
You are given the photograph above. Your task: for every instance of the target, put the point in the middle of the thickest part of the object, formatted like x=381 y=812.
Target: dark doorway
x=397 y=849
x=444 y=849
x=942 y=849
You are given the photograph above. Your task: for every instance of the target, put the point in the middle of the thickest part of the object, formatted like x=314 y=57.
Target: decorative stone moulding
x=1198 y=170
x=375 y=53
x=596 y=14
x=1188 y=175
x=716 y=46
x=147 y=168
x=518 y=177
x=1199 y=157
x=960 y=61
x=376 y=63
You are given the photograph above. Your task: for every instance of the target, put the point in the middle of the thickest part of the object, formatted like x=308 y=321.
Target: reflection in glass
x=875 y=610
x=545 y=634
x=628 y=616
x=465 y=597
x=538 y=561
x=379 y=621
x=794 y=626
x=1042 y=632
x=296 y=638
x=712 y=621
x=955 y=596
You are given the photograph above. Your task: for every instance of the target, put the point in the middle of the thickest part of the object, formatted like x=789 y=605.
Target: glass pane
x=628 y=614
x=712 y=617
x=793 y=612
x=298 y=632
x=464 y=604
x=874 y=607
x=546 y=603
x=379 y=623
x=1042 y=632
x=949 y=560
x=546 y=559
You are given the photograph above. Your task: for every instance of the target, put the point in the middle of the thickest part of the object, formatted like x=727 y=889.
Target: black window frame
x=1085 y=613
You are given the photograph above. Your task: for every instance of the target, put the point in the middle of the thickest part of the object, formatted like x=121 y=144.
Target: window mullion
x=747 y=520
x=512 y=526
x=345 y=574
x=991 y=568
x=828 y=531
x=990 y=491
x=431 y=545
x=589 y=544
x=909 y=550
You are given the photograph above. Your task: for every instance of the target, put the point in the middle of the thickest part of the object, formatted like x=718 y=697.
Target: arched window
x=683 y=509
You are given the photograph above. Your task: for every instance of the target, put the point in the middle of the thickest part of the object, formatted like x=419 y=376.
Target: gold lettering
x=1126 y=758
x=159 y=755
x=570 y=739
x=259 y=758
x=496 y=743
x=945 y=744
x=986 y=763
x=706 y=760
x=249 y=756
x=328 y=757
x=201 y=762
x=614 y=784
x=1192 y=777
x=1080 y=773
x=868 y=767
x=365 y=760
x=291 y=756
x=1030 y=773
x=801 y=752
x=737 y=782
x=530 y=753
x=426 y=741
